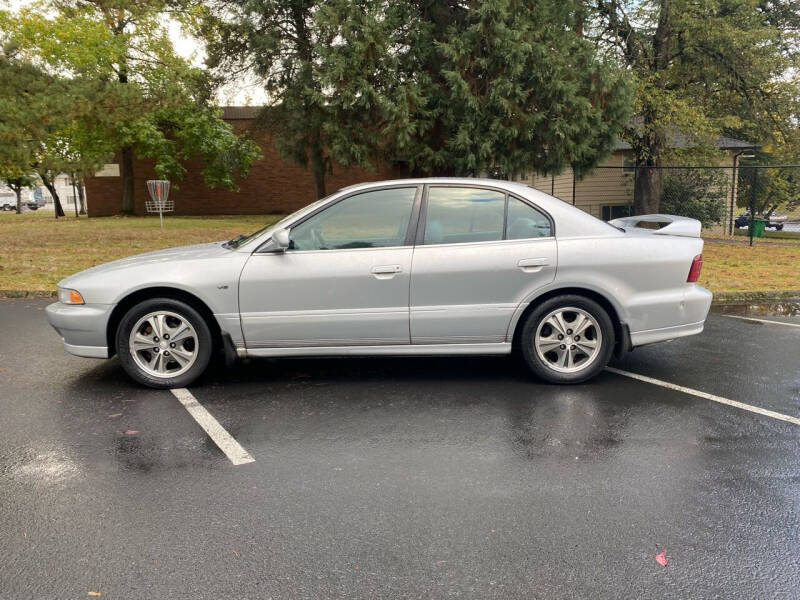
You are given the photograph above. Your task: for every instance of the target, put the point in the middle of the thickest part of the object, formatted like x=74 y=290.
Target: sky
x=243 y=93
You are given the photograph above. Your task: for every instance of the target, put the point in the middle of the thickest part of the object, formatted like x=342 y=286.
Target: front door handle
x=533 y=265
x=386 y=271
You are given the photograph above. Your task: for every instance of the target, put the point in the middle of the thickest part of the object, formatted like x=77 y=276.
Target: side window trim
x=411 y=231
x=505 y=217
x=419 y=233
x=419 y=237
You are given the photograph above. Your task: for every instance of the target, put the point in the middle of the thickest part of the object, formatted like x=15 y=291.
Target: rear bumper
x=651 y=336
x=691 y=317
x=81 y=327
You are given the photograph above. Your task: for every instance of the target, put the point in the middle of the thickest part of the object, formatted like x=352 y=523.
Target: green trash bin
x=757 y=227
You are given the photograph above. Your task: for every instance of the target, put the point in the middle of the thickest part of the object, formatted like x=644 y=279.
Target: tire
x=547 y=360
x=6 y=207
x=778 y=227
x=168 y=364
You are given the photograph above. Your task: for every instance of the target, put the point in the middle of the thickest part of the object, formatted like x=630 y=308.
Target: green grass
x=36 y=250
x=740 y=268
x=771 y=234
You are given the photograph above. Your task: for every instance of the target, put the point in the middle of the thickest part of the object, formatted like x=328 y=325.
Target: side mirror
x=279 y=241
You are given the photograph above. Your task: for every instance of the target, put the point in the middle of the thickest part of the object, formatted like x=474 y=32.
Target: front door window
x=377 y=219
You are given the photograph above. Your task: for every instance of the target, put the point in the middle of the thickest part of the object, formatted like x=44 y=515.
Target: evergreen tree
x=505 y=84
x=448 y=87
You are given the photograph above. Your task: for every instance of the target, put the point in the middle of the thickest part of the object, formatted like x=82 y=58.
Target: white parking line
x=232 y=449
x=763 y=320
x=712 y=397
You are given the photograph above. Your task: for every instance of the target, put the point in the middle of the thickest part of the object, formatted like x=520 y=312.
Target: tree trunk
x=18 y=192
x=74 y=195
x=57 y=208
x=318 y=169
x=127 y=179
x=82 y=196
x=126 y=152
x=647 y=190
x=648 y=185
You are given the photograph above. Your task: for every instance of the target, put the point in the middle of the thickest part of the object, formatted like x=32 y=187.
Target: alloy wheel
x=163 y=344
x=568 y=339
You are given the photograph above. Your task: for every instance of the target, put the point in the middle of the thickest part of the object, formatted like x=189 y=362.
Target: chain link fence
x=721 y=197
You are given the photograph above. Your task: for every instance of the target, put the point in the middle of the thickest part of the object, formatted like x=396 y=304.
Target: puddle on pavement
x=784 y=308
x=39 y=466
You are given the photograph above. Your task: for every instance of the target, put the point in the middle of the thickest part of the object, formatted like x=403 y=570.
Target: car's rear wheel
x=163 y=343
x=567 y=339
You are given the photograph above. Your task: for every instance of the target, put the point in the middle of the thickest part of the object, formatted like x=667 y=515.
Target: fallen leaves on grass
x=738 y=268
x=37 y=251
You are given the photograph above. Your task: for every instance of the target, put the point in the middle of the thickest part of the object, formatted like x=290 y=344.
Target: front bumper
x=82 y=327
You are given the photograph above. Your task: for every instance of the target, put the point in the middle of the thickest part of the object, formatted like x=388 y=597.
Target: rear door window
x=462 y=215
x=525 y=222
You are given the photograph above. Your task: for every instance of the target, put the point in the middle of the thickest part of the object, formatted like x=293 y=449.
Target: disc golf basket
x=159 y=192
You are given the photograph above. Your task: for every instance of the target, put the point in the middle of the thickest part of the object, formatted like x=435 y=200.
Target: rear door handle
x=386 y=271
x=533 y=265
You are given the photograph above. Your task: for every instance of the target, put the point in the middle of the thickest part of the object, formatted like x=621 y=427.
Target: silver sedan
x=407 y=267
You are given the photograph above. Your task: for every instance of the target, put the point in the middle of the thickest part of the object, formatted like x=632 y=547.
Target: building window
x=628 y=166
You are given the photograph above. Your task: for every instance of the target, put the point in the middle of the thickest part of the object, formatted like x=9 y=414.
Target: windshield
x=244 y=239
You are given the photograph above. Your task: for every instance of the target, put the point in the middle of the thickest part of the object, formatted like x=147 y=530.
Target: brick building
x=273 y=185
x=278 y=186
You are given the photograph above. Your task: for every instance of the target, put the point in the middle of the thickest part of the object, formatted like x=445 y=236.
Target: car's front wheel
x=163 y=343
x=567 y=339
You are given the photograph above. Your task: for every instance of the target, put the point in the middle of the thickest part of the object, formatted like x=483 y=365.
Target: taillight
x=694 y=271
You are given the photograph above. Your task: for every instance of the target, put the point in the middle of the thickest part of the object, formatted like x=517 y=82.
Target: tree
x=505 y=84
x=285 y=43
x=33 y=106
x=701 y=68
x=697 y=193
x=448 y=87
x=763 y=190
x=144 y=98
x=17 y=183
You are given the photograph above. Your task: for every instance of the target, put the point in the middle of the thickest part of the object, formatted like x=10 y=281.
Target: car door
x=479 y=253
x=343 y=281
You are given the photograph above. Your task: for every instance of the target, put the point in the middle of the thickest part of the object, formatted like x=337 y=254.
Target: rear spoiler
x=661 y=224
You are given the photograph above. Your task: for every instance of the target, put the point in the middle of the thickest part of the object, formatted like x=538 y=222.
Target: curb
x=741 y=297
x=28 y=294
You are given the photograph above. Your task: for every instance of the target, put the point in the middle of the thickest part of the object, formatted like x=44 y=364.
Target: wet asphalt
x=403 y=478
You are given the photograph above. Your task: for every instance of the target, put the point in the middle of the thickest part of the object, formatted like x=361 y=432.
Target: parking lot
x=405 y=478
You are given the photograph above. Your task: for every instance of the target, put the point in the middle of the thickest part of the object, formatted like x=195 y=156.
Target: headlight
x=67 y=296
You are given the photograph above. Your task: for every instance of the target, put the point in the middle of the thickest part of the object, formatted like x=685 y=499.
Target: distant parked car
x=774 y=221
x=37 y=201
x=8 y=202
